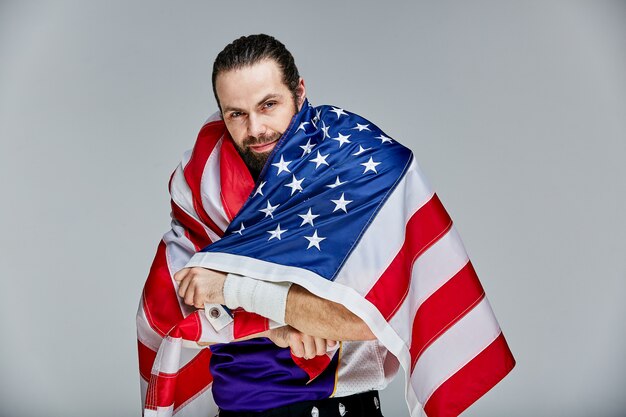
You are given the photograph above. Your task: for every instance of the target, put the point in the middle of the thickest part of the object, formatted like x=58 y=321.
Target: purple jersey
x=256 y=375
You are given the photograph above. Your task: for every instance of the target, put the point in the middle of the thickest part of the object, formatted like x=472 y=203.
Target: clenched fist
x=200 y=285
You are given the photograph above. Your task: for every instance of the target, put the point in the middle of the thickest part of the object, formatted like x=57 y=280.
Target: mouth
x=263 y=147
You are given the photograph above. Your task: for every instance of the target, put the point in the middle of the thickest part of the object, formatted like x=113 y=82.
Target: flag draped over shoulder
x=343 y=210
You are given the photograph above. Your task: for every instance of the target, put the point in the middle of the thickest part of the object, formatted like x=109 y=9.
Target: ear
x=300 y=92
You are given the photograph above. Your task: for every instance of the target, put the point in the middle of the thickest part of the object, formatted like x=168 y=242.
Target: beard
x=255 y=161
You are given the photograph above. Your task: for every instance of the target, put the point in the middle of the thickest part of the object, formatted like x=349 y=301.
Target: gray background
x=515 y=111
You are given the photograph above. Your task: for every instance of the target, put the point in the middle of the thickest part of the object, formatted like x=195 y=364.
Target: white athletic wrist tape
x=267 y=299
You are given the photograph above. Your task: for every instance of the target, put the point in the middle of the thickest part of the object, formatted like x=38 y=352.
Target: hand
x=200 y=285
x=301 y=345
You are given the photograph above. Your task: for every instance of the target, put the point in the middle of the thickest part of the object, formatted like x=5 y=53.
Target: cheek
x=237 y=133
x=282 y=122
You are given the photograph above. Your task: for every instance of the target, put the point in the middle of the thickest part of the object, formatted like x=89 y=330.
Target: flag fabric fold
x=343 y=210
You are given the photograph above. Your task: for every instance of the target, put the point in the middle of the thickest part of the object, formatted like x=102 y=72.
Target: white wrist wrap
x=267 y=299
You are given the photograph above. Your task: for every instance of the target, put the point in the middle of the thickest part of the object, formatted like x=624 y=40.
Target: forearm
x=317 y=316
x=294 y=306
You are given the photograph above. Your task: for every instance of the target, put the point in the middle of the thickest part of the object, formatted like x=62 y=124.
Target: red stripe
x=245 y=324
x=146 y=359
x=193 y=378
x=160 y=301
x=472 y=381
x=423 y=229
x=197 y=234
x=444 y=308
x=205 y=144
x=188 y=329
x=179 y=388
x=235 y=180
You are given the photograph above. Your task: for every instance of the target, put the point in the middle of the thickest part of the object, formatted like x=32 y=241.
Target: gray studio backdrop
x=515 y=111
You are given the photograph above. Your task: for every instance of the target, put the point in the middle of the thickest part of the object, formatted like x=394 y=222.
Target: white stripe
x=179 y=248
x=187 y=354
x=202 y=405
x=168 y=356
x=176 y=256
x=145 y=333
x=431 y=270
x=372 y=255
x=182 y=197
x=454 y=349
x=210 y=188
x=159 y=412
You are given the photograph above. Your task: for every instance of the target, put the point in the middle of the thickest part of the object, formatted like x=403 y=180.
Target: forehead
x=244 y=87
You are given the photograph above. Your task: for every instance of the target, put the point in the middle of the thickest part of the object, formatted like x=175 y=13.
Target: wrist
x=268 y=299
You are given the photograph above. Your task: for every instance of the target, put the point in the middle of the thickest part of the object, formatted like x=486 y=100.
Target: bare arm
x=320 y=317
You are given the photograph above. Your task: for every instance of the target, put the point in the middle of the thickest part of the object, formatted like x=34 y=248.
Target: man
x=306 y=297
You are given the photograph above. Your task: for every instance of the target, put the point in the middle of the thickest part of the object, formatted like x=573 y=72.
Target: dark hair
x=249 y=50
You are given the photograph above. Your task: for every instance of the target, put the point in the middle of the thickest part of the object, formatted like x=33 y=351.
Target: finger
x=320 y=346
x=296 y=345
x=182 y=287
x=309 y=346
x=180 y=275
x=331 y=343
x=199 y=298
x=189 y=293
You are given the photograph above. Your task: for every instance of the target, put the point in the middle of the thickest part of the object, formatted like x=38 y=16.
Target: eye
x=269 y=104
x=235 y=114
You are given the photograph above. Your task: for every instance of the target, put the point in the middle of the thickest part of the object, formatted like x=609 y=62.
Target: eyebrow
x=263 y=100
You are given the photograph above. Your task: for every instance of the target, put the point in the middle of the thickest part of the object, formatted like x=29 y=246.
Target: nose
x=256 y=126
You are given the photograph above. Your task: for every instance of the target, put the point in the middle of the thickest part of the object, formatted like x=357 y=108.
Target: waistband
x=365 y=404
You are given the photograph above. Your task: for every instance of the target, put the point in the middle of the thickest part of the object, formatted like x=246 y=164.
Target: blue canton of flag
x=324 y=182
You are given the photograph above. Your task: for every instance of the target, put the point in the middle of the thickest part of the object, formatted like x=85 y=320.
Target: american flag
x=343 y=210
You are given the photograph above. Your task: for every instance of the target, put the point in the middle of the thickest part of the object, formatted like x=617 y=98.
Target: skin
x=257 y=108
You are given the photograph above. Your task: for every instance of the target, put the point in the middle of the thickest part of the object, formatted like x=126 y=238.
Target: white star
x=337 y=183
x=361 y=127
x=241 y=228
x=339 y=112
x=275 y=234
x=301 y=127
x=307 y=148
x=259 y=189
x=360 y=151
x=295 y=184
x=342 y=139
x=269 y=210
x=383 y=139
x=370 y=165
x=282 y=165
x=320 y=159
x=308 y=218
x=316 y=119
x=325 y=130
x=314 y=240
x=341 y=204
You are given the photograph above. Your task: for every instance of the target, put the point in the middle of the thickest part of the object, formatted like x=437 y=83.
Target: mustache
x=252 y=140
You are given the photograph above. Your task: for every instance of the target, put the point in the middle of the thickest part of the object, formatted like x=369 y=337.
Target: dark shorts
x=366 y=404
